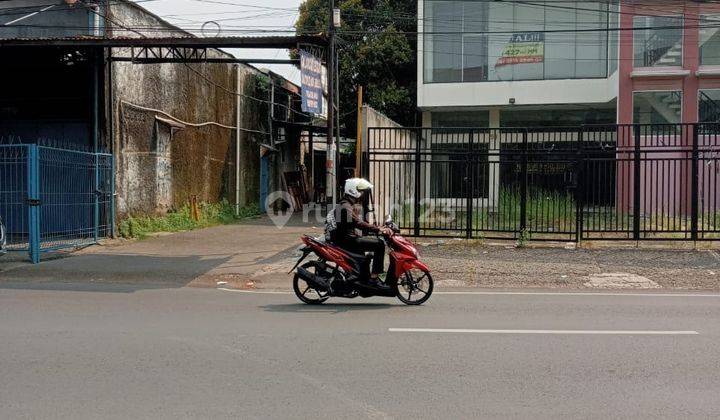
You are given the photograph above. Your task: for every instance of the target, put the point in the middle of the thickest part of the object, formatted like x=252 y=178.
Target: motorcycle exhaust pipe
x=311 y=279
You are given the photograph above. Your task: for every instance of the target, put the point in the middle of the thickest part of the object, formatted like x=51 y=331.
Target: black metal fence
x=631 y=182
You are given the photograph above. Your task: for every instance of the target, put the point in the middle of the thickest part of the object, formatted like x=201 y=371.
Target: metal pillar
x=96 y=139
x=237 y=142
x=311 y=135
x=33 y=202
x=330 y=165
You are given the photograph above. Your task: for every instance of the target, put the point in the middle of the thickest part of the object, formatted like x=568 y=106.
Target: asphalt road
x=114 y=352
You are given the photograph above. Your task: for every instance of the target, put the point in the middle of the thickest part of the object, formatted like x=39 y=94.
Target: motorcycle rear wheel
x=415 y=287
x=306 y=293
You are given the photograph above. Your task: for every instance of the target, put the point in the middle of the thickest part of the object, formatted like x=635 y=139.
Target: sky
x=235 y=18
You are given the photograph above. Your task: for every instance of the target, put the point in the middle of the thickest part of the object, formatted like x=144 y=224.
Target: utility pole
x=338 y=173
x=330 y=164
x=358 y=138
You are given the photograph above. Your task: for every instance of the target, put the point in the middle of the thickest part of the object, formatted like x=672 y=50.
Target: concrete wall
x=391 y=168
x=161 y=164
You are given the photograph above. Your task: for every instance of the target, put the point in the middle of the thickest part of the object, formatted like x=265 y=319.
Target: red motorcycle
x=339 y=273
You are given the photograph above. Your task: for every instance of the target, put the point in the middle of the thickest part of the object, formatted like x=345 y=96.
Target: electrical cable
x=198 y=125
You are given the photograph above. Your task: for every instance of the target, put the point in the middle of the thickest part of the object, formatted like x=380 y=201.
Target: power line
x=197 y=125
x=488 y=34
x=227 y=3
x=600 y=12
x=238 y=29
x=57 y=7
x=509 y=32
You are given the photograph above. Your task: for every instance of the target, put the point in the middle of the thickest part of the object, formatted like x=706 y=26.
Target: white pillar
x=425 y=168
x=427 y=119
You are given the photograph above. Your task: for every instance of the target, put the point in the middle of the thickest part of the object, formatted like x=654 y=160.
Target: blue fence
x=54 y=198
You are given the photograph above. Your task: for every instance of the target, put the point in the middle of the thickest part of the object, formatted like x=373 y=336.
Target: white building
x=492 y=64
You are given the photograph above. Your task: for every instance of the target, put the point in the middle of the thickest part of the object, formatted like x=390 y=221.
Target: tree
x=376 y=50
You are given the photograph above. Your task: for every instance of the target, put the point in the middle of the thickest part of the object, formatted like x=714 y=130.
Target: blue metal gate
x=54 y=198
x=264 y=181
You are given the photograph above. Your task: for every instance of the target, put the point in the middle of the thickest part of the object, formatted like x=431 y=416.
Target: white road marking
x=256 y=292
x=582 y=294
x=280 y=292
x=558 y=332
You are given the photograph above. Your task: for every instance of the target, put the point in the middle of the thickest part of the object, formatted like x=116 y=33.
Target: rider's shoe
x=377 y=284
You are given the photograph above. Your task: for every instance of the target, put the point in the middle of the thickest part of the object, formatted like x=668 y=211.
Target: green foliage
x=211 y=214
x=258 y=87
x=375 y=51
x=524 y=238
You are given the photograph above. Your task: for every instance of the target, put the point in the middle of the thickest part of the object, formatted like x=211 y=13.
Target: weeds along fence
x=610 y=182
x=54 y=198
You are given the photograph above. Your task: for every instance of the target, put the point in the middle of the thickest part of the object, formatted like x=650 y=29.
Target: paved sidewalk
x=257 y=255
x=236 y=254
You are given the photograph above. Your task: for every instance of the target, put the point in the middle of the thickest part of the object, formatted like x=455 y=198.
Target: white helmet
x=354 y=187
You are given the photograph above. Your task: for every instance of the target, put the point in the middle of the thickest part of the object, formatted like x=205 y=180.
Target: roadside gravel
x=457 y=264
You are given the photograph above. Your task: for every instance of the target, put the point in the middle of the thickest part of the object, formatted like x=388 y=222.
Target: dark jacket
x=350 y=223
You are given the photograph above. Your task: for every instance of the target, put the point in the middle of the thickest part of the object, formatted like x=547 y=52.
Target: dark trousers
x=368 y=244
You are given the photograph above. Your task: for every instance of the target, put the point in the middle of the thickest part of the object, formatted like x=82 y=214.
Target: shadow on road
x=330 y=308
x=120 y=273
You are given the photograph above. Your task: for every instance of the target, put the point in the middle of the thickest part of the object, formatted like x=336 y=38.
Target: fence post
x=96 y=192
x=579 y=191
x=366 y=155
x=636 y=184
x=416 y=201
x=113 y=233
x=524 y=182
x=469 y=181
x=33 y=202
x=695 y=207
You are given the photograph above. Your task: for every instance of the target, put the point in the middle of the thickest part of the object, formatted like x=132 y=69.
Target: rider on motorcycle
x=352 y=227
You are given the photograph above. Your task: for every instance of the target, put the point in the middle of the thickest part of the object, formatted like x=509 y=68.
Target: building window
x=475 y=41
x=658 y=107
x=709 y=106
x=443 y=49
x=557 y=117
x=658 y=41
x=461 y=119
x=709 y=40
x=614 y=38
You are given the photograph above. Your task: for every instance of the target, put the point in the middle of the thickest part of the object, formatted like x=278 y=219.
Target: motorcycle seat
x=358 y=257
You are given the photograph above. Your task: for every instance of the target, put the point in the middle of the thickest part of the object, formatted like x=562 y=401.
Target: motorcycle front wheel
x=415 y=287
x=305 y=292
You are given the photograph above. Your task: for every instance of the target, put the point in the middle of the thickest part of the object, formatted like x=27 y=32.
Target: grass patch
x=211 y=214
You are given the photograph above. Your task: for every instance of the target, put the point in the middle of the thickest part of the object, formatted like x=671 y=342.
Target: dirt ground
x=552 y=267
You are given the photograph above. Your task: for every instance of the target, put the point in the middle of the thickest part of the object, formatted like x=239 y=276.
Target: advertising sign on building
x=523 y=48
x=311 y=83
